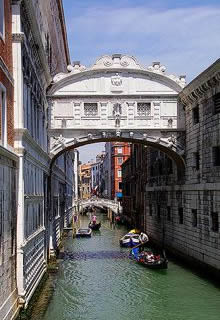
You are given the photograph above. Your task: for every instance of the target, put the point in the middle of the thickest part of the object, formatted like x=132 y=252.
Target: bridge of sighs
x=117 y=99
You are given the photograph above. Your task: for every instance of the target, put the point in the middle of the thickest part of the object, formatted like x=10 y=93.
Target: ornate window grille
x=90 y=109
x=143 y=109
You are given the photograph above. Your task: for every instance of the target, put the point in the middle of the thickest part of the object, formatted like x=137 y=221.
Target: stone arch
x=100 y=203
x=169 y=147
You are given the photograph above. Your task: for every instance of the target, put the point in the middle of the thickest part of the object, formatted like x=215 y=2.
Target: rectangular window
x=120 y=160
x=150 y=210
x=216 y=99
x=194 y=218
x=214 y=218
x=2 y=19
x=120 y=185
x=119 y=173
x=180 y=211
x=90 y=109
x=119 y=150
x=143 y=109
x=195 y=112
x=168 y=213
x=216 y=156
x=196 y=160
x=169 y=166
x=3 y=116
x=158 y=212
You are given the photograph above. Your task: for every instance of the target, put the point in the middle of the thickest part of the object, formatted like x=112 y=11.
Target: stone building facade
x=35 y=41
x=185 y=214
x=120 y=151
x=8 y=171
x=85 y=181
x=134 y=179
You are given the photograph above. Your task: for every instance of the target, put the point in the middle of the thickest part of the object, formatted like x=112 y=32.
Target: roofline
x=64 y=32
x=64 y=81
x=202 y=77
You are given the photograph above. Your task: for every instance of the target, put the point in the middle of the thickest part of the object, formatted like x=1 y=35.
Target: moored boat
x=149 y=257
x=83 y=232
x=95 y=226
x=129 y=240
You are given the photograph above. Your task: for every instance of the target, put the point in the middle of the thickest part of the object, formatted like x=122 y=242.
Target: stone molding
x=8 y=154
x=18 y=37
x=4 y=68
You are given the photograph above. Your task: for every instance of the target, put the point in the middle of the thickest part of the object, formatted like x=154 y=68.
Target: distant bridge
x=99 y=203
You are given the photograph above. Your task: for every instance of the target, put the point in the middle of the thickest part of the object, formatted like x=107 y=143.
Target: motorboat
x=83 y=232
x=149 y=257
x=129 y=240
x=94 y=226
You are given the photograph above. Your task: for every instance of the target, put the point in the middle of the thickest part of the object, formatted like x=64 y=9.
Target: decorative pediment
x=117 y=61
x=117 y=65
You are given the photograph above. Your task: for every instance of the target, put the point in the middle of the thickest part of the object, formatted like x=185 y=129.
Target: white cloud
x=185 y=40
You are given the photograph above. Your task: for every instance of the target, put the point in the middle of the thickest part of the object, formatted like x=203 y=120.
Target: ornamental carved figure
x=116 y=80
x=59 y=141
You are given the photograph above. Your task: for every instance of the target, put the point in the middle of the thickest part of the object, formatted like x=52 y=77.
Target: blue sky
x=183 y=35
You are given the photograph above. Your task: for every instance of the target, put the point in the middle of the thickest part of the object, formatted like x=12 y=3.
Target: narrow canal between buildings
x=97 y=281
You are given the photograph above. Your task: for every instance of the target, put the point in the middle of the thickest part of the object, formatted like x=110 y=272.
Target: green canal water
x=97 y=281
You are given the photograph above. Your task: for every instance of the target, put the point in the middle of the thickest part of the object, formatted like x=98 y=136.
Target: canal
x=97 y=281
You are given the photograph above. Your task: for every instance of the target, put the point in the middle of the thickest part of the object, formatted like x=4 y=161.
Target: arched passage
x=168 y=147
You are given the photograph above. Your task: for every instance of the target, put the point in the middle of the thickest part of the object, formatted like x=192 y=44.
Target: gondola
x=94 y=227
x=83 y=232
x=149 y=257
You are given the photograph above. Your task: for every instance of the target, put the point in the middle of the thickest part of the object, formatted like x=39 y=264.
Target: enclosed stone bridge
x=117 y=99
x=99 y=203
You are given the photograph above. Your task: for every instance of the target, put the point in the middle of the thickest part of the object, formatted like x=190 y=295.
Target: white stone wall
x=8 y=206
x=32 y=68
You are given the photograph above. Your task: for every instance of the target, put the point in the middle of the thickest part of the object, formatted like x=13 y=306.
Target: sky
x=184 y=35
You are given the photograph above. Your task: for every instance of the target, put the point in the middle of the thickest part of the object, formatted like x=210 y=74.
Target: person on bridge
x=143 y=237
x=94 y=218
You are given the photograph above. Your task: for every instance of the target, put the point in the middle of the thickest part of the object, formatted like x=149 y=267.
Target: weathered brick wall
x=6 y=59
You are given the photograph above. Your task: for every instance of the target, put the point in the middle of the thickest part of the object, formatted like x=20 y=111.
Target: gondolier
x=94 y=219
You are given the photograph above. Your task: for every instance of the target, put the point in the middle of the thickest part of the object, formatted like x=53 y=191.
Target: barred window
x=143 y=109
x=216 y=99
x=168 y=213
x=214 y=221
x=194 y=218
x=90 y=109
x=216 y=156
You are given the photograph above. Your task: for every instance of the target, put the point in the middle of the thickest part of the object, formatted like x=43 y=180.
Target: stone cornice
x=63 y=26
x=9 y=154
x=205 y=81
x=37 y=38
x=106 y=97
x=18 y=37
x=24 y=133
x=4 y=68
